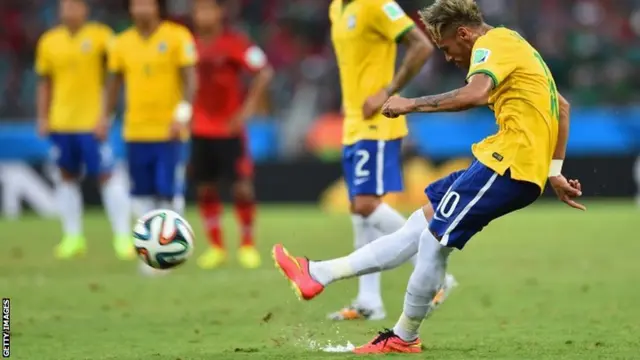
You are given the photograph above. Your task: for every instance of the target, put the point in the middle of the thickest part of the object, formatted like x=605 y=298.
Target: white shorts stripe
x=380 y=168
x=456 y=221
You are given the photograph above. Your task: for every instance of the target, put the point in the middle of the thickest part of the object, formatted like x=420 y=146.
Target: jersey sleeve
x=186 y=52
x=388 y=19
x=43 y=61
x=115 y=63
x=489 y=59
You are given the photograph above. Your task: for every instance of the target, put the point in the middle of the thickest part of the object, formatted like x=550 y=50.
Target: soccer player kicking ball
x=364 y=35
x=219 y=140
x=509 y=173
x=155 y=60
x=70 y=62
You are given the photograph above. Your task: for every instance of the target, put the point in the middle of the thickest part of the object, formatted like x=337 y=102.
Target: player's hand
x=374 y=103
x=43 y=127
x=102 y=129
x=567 y=191
x=397 y=106
x=236 y=124
x=177 y=129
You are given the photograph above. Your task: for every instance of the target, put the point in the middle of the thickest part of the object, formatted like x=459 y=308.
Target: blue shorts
x=466 y=201
x=373 y=167
x=154 y=168
x=81 y=154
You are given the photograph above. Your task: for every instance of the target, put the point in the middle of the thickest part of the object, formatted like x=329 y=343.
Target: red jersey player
x=220 y=111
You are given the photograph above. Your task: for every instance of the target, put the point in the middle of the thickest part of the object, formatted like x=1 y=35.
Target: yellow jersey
x=151 y=70
x=75 y=65
x=525 y=102
x=364 y=35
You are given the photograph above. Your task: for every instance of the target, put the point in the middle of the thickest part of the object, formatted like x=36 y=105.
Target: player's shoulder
x=335 y=8
x=499 y=37
x=98 y=28
x=52 y=34
x=383 y=5
x=126 y=35
x=175 y=29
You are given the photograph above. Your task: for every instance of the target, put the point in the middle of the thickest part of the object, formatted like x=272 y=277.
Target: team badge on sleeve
x=480 y=56
x=393 y=11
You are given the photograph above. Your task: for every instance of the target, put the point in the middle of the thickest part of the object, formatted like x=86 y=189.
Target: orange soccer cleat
x=388 y=342
x=296 y=270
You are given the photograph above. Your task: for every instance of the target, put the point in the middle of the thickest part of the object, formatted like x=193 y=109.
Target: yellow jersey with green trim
x=151 y=69
x=364 y=35
x=75 y=65
x=525 y=102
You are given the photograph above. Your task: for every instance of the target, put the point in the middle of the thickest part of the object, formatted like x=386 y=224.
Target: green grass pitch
x=544 y=283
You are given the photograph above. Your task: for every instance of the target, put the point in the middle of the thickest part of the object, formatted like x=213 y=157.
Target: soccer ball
x=163 y=239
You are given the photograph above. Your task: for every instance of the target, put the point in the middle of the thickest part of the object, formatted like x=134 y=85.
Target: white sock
x=386 y=219
x=179 y=204
x=140 y=205
x=69 y=199
x=368 y=285
x=425 y=281
x=116 y=203
x=166 y=204
x=384 y=253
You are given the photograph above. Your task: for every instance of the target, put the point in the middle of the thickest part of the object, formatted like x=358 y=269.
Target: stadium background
x=591 y=47
x=544 y=283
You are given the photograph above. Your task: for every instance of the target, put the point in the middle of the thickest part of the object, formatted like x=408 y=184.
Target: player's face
x=457 y=47
x=207 y=14
x=144 y=9
x=73 y=11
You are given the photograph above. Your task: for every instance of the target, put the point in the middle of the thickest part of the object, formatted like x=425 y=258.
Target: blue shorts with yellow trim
x=373 y=167
x=466 y=201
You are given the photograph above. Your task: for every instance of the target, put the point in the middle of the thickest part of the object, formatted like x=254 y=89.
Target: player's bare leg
x=211 y=209
x=116 y=202
x=245 y=208
x=69 y=199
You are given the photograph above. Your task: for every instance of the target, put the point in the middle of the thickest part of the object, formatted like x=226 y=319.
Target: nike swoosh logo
x=360 y=181
x=438 y=218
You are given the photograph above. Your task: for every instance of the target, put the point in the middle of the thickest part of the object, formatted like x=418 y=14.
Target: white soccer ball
x=163 y=239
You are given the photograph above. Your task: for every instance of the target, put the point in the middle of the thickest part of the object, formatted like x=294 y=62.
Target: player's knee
x=67 y=176
x=365 y=205
x=428 y=211
x=104 y=178
x=243 y=191
x=207 y=191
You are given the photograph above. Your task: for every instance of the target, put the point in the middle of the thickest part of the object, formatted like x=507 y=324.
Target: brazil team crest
x=162 y=47
x=85 y=46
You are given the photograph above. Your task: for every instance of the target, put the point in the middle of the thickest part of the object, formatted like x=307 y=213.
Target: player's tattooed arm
x=419 y=50
x=189 y=83
x=476 y=93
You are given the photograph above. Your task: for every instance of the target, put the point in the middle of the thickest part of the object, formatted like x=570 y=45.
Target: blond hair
x=443 y=15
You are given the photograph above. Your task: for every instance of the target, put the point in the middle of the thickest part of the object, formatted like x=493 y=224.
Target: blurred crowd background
x=592 y=47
